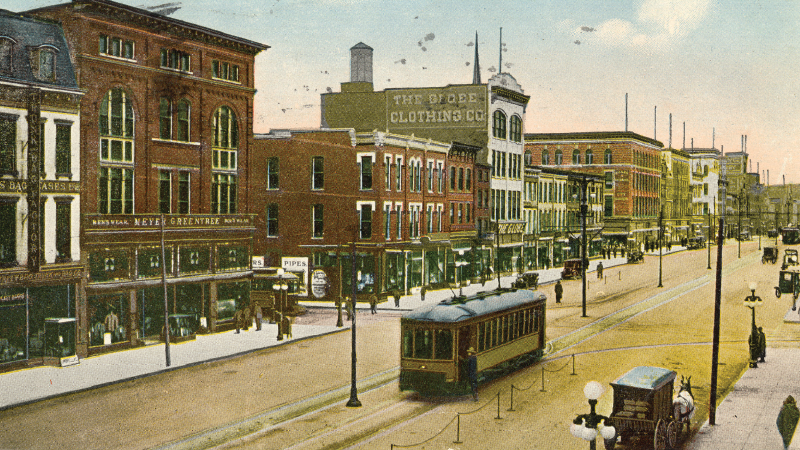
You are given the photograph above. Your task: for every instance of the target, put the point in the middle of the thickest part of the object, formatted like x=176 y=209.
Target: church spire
x=476 y=72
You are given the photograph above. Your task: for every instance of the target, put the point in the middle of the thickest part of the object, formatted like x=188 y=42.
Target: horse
x=683 y=405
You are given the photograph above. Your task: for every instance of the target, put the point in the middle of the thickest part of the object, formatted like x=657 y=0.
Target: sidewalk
x=746 y=417
x=42 y=382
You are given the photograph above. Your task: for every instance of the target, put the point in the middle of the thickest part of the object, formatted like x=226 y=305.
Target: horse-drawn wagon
x=643 y=405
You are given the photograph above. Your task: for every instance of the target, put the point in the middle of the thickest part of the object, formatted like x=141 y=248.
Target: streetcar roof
x=464 y=308
x=646 y=377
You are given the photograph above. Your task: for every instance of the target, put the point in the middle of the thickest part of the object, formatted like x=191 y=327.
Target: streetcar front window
x=408 y=343
x=444 y=344
x=423 y=344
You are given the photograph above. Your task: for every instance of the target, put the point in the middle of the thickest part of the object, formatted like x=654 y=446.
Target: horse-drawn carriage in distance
x=643 y=405
x=695 y=243
x=527 y=280
x=572 y=269
x=770 y=255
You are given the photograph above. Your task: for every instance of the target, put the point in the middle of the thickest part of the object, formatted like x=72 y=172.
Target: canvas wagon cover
x=646 y=377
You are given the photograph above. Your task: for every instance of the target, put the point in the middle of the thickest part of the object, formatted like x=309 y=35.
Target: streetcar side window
x=423 y=344
x=494 y=332
x=444 y=344
x=408 y=343
x=481 y=335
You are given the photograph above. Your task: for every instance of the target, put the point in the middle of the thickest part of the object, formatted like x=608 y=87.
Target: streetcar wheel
x=673 y=429
x=660 y=436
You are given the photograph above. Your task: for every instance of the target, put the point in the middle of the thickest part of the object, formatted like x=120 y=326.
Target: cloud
x=659 y=24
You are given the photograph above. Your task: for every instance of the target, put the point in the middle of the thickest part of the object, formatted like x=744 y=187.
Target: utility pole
x=712 y=403
x=710 y=233
x=353 y=402
x=584 y=259
x=660 y=244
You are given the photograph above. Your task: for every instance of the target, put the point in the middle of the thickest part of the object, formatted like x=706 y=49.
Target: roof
x=28 y=34
x=646 y=377
x=361 y=45
x=464 y=308
x=159 y=22
x=591 y=136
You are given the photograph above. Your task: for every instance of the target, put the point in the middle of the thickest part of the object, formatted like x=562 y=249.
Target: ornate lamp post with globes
x=281 y=288
x=585 y=425
x=752 y=301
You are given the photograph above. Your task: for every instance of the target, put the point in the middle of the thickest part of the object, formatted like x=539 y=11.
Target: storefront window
x=434 y=266
x=108 y=266
x=108 y=319
x=415 y=270
x=233 y=257
x=47 y=302
x=193 y=260
x=148 y=262
x=230 y=298
x=13 y=325
x=366 y=278
x=395 y=271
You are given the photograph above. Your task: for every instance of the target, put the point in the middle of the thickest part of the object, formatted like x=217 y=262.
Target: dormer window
x=43 y=62
x=6 y=50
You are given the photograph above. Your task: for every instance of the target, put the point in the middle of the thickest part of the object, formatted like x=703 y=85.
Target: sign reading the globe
x=319 y=283
x=451 y=105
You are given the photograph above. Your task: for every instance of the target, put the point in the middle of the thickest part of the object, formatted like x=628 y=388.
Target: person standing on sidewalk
x=259 y=315
x=762 y=344
x=373 y=303
x=472 y=372
x=600 y=270
x=787 y=420
x=559 y=291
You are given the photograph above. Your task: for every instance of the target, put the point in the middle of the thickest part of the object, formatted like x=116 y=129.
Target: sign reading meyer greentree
x=110 y=222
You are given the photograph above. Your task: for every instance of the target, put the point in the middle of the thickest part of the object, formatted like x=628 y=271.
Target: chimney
x=361 y=63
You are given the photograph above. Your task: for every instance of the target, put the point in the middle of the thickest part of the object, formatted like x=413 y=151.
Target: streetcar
x=506 y=328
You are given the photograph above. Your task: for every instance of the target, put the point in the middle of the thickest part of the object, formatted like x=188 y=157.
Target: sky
x=722 y=69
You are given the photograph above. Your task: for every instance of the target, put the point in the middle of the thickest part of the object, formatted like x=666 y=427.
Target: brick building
x=630 y=165
x=41 y=273
x=166 y=128
x=405 y=206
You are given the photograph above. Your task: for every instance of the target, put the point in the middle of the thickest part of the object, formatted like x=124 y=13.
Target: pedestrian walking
x=600 y=270
x=259 y=315
x=373 y=303
x=787 y=420
x=286 y=326
x=472 y=372
x=559 y=291
x=238 y=318
x=623 y=252
x=422 y=293
x=762 y=343
x=347 y=308
x=615 y=252
x=396 y=295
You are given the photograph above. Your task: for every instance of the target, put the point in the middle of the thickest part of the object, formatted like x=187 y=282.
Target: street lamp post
x=660 y=244
x=353 y=402
x=752 y=301
x=460 y=273
x=585 y=425
x=280 y=288
x=710 y=233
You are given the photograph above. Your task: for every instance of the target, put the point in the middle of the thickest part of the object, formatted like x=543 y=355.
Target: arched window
x=576 y=156
x=607 y=158
x=499 y=127
x=589 y=157
x=545 y=158
x=515 y=128
x=116 y=119
x=559 y=158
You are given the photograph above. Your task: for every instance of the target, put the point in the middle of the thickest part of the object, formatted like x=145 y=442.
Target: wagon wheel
x=778 y=292
x=660 y=436
x=673 y=432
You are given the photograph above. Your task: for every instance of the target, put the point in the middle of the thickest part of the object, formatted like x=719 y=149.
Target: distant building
x=406 y=206
x=705 y=184
x=166 y=129
x=676 y=195
x=41 y=272
x=488 y=116
x=629 y=163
